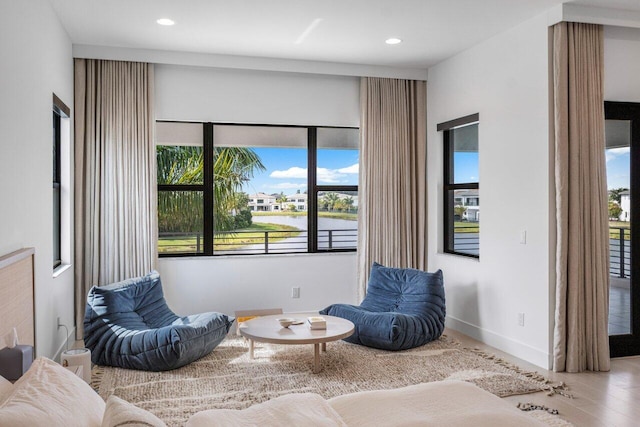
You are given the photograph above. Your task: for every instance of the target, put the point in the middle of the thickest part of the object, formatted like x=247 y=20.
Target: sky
x=618 y=167
x=465 y=167
x=286 y=170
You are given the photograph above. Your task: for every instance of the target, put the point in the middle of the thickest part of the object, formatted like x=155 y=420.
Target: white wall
x=231 y=283
x=36 y=62
x=227 y=284
x=505 y=80
x=622 y=64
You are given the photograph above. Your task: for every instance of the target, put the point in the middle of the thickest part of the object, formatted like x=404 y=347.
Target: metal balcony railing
x=257 y=242
x=276 y=241
x=467 y=240
x=620 y=252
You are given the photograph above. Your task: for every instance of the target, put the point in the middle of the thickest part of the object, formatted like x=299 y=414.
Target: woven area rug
x=227 y=378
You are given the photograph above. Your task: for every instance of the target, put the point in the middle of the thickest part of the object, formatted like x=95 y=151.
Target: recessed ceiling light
x=393 y=40
x=165 y=21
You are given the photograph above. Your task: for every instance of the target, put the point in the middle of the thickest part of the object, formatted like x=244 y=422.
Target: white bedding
x=304 y=409
x=48 y=395
x=5 y=388
x=445 y=403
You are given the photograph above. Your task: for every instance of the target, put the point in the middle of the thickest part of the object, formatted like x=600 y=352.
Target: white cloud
x=286 y=185
x=324 y=175
x=350 y=169
x=331 y=176
x=612 y=153
x=292 y=172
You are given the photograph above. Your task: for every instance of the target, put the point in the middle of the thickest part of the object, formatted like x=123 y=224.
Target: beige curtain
x=581 y=339
x=115 y=178
x=392 y=190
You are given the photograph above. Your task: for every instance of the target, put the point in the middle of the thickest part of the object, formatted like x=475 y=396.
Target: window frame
x=59 y=111
x=449 y=186
x=208 y=186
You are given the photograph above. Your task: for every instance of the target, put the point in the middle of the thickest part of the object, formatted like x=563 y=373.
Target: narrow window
x=461 y=186
x=60 y=113
x=181 y=188
x=336 y=189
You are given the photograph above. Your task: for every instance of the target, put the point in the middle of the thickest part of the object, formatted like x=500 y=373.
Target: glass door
x=622 y=132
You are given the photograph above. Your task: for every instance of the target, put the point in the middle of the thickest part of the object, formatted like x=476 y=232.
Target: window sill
x=461 y=255
x=248 y=256
x=60 y=269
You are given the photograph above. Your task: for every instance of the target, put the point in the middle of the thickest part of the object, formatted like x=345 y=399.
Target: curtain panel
x=581 y=340
x=115 y=176
x=392 y=188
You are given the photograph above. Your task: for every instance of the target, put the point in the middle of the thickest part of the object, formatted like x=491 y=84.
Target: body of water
x=301 y=222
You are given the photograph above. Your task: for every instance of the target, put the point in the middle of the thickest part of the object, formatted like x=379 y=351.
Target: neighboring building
x=299 y=200
x=625 y=205
x=262 y=202
x=471 y=200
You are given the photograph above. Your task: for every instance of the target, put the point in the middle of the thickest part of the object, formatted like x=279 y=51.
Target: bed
x=17 y=307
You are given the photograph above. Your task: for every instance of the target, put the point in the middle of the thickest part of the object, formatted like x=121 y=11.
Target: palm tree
x=282 y=199
x=330 y=200
x=179 y=165
x=182 y=210
x=233 y=166
x=348 y=201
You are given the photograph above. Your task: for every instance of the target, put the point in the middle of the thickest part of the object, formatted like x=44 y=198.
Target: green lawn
x=614 y=229
x=250 y=236
x=466 y=227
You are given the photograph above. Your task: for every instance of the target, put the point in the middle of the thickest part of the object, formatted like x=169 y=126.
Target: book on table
x=317 y=322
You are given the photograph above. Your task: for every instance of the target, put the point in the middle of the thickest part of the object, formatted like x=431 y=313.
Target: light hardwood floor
x=602 y=399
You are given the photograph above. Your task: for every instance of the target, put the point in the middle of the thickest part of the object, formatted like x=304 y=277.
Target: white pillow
x=49 y=395
x=122 y=413
x=303 y=409
x=5 y=388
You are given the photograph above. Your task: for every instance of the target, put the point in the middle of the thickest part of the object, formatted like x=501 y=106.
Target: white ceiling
x=349 y=31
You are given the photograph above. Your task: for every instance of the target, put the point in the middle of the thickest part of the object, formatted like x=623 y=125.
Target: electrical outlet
x=520 y=319
x=59 y=322
x=295 y=292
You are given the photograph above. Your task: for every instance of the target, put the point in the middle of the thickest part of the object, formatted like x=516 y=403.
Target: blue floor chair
x=404 y=308
x=129 y=325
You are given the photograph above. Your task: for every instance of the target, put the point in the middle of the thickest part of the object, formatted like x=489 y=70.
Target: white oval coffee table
x=266 y=329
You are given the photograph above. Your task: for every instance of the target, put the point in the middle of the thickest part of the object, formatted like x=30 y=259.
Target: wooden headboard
x=16 y=295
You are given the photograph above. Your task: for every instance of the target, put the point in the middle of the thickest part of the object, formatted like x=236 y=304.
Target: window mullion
x=208 y=181
x=312 y=193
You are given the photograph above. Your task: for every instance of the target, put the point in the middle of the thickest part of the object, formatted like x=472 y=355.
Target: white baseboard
x=67 y=343
x=508 y=345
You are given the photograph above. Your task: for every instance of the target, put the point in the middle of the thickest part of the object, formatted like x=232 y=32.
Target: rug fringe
x=97 y=374
x=546 y=384
x=529 y=406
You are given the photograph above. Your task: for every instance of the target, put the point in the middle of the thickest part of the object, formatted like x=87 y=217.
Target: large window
x=461 y=186
x=226 y=189
x=60 y=113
